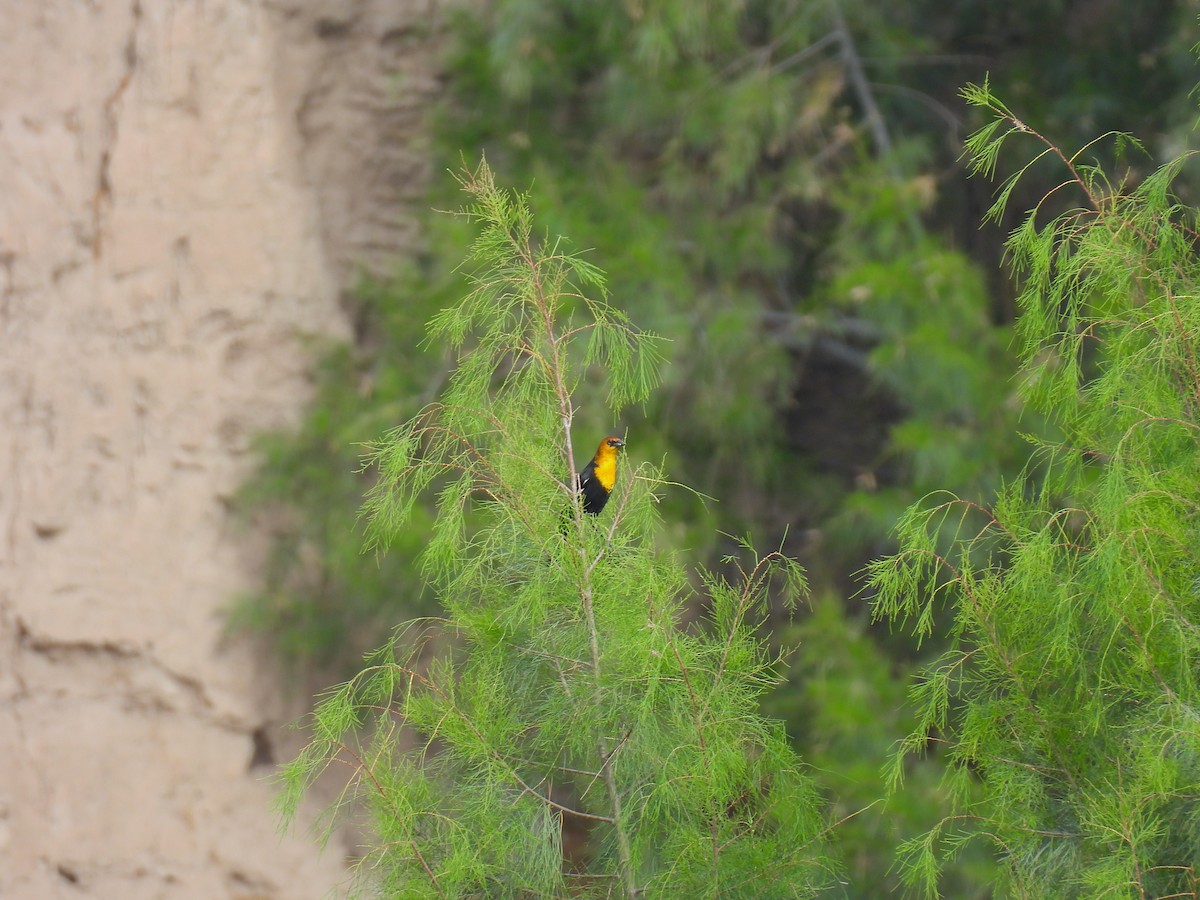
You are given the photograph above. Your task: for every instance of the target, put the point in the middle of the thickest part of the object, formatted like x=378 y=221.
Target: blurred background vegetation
x=775 y=187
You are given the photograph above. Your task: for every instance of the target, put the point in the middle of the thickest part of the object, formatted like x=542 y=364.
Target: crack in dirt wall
x=188 y=188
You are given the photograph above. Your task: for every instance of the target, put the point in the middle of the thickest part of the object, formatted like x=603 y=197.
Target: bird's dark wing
x=595 y=495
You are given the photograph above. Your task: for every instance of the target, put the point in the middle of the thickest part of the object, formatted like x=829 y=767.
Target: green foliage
x=833 y=350
x=715 y=161
x=846 y=701
x=714 y=153
x=646 y=130
x=1070 y=686
x=561 y=684
x=935 y=347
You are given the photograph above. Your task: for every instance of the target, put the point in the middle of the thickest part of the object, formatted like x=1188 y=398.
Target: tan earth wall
x=186 y=188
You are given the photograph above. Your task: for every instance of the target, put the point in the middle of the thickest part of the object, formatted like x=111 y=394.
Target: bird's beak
x=618 y=442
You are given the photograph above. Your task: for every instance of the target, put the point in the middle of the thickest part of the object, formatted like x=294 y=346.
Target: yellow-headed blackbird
x=598 y=477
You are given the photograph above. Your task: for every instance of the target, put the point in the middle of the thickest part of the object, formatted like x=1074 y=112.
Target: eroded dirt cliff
x=185 y=190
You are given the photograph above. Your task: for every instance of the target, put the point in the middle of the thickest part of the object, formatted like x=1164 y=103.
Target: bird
x=596 y=481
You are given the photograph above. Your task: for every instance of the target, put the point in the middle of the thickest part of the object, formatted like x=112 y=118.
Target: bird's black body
x=598 y=476
x=595 y=495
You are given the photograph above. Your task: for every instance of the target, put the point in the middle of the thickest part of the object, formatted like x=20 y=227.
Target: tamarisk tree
x=1070 y=686
x=560 y=693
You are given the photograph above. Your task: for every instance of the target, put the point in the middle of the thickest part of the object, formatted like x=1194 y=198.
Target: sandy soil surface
x=186 y=188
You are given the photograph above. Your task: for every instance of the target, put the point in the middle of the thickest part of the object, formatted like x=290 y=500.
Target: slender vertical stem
x=875 y=120
x=567 y=414
x=862 y=87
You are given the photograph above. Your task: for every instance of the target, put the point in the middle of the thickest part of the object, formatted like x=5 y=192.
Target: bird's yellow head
x=606 y=461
